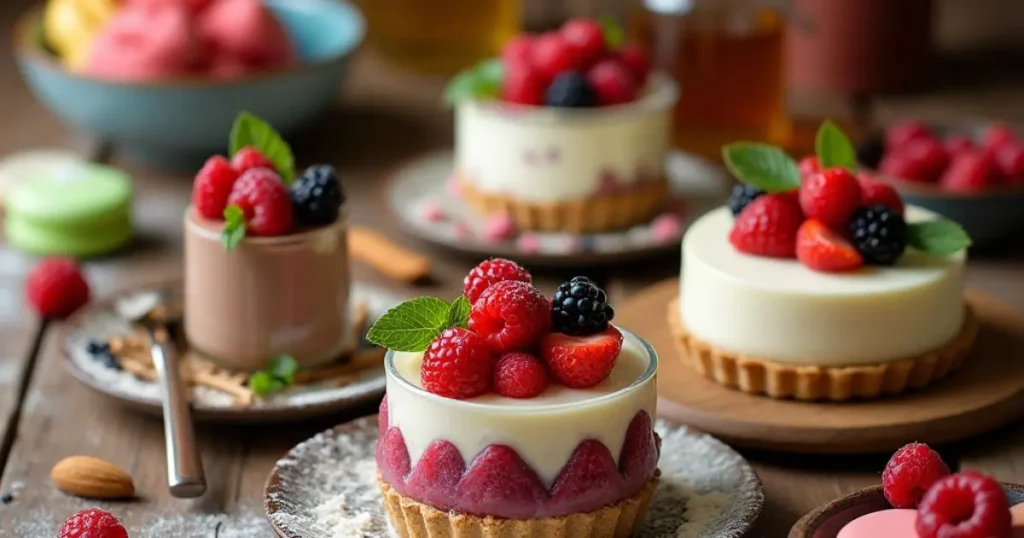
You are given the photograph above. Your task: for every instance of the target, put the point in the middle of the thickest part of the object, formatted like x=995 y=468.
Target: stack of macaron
x=152 y=40
x=58 y=204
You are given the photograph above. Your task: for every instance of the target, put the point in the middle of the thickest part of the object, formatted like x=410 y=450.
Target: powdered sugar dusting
x=103 y=324
x=326 y=487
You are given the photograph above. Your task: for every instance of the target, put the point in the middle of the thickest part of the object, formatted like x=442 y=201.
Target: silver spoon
x=155 y=311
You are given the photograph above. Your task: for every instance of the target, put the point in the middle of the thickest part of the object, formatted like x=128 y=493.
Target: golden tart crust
x=755 y=375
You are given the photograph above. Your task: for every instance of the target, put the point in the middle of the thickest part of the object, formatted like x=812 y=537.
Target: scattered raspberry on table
x=56 y=288
x=92 y=523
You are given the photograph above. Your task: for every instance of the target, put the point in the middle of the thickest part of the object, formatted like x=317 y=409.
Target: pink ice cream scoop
x=244 y=32
x=145 y=42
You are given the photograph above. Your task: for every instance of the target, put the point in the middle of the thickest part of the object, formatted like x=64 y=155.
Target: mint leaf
x=762 y=166
x=277 y=377
x=834 y=148
x=412 y=325
x=249 y=130
x=234 y=227
x=284 y=368
x=942 y=237
x=458 y=312
x=614 y=35
x=481 y=81
x=264 y=383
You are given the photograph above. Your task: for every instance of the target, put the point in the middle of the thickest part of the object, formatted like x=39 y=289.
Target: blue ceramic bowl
x=185 y=119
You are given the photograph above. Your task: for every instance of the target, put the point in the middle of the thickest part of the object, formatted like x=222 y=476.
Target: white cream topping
x=544 y=430
x=783 y=311
x=541 y=154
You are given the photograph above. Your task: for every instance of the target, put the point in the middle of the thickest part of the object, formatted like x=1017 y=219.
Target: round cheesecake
x=562 y=169
x=766 y=318
x=524 y=463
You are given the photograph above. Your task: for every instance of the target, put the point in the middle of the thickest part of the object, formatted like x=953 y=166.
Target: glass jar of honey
x=727 y=58
x=440 y=37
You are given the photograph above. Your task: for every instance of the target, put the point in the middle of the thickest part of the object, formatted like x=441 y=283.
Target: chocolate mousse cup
x=270 y=296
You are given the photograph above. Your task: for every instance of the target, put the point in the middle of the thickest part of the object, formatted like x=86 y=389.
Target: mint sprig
x=762 y=166
x=833 y=147
x=279 y=375
x=482 y=81
x=941 y=237
x=249 y=130
x=412 y=325
x=614 y=35
x=234 y=227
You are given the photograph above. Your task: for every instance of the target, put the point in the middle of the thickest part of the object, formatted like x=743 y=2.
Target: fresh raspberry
x=931 y=153
x=964 y=505
x=767 y=227
x=830 y=196
x=458 y=364
x=587 y=37
x=905 y=167
x=821 y=249
x=636 y=60
x=248 y=158
x=1011 y=163
x=875 y=192
x=523 y=85
x=264 y=200
x=520 y=375
x=92 y=523
x=510 y=315
x=212 y=187
x=553 y=55
x=56 y=288
x=809 y=165
x=612 y=82
x=957 y=144
x=970 y=172
x=997 y=137
x=581 y=362
x=898 y=135
x=518 y=51
x=910 y=472
x=490 y=272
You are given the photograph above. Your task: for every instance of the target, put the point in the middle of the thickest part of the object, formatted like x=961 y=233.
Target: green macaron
x=78 y=209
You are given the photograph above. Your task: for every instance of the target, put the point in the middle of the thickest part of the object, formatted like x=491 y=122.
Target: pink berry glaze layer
x=498 y=483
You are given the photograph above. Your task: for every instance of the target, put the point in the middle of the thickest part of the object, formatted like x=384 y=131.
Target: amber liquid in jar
x=727 y=57
x=440 y=37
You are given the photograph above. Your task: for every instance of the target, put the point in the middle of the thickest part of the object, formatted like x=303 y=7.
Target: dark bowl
x=988 y=216
x=825 y=522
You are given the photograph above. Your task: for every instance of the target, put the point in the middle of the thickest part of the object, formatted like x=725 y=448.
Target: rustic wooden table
x=383 y=119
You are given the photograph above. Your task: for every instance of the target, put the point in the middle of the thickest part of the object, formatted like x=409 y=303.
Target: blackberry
x=7 y=498
x=96 y=347
x=741 y=197
x=879 y=233
x=580 y=308
x=570 y=90
x=317 y=196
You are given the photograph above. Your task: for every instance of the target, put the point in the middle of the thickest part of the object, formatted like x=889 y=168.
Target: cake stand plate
x=99 y=321
x=986 y=393
x=327 y=486
x=422 y=198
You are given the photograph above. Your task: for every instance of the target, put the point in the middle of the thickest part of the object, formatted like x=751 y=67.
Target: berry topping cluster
x=913 y=152
x=583 y=64
x=822 y=213
x=966 y=505
x=503 y=335
x=256 y=193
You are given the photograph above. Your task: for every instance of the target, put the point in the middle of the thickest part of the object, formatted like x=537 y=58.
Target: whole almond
x=92 y=478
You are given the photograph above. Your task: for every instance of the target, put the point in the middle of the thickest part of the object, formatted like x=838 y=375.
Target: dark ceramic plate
x=825 y=522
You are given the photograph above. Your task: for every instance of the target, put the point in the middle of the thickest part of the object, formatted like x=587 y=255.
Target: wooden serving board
x=986 y=393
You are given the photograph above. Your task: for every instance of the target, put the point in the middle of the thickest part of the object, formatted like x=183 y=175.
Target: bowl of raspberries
x=972 y=174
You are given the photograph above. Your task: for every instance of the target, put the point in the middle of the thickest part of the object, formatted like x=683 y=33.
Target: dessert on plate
x=511 y=414
x=816 y=283
x=566 y=131
x=266 y=257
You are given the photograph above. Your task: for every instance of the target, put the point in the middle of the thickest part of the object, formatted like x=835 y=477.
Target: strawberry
x=822 y=249
x=552 y=55
x=997 y=137
x=581 y=361
x=636 y=60
x=1011 y=163
x=587 y=37
x=877 y=192
x=970 y=172
x=518 y=51
x=831 y=196
x=767 y=226
x=612 y=82
x=809 y=165
x=523 y=85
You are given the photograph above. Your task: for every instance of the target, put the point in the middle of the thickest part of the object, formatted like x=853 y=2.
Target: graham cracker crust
x=599 y=213
x=759 y=376
x=413 y=519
